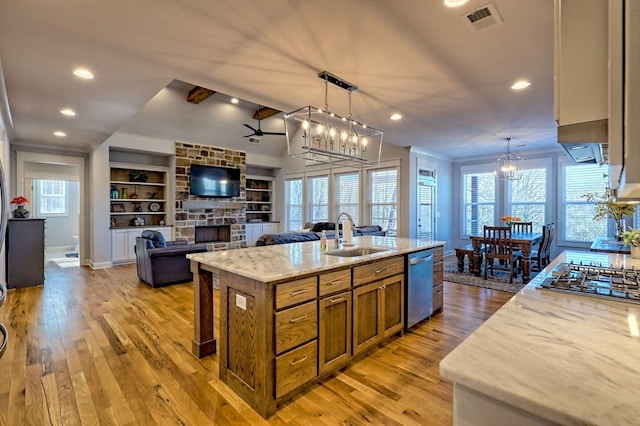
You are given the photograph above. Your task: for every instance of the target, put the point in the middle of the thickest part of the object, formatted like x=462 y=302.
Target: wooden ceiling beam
x=265 y=112
x=199 y=94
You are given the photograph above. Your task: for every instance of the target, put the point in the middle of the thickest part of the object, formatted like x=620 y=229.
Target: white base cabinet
x=124 y=240
x=254 y=230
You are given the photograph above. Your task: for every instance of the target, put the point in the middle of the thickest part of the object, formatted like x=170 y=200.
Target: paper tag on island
x=241 y=302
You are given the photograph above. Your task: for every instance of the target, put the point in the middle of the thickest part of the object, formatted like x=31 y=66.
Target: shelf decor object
x=20 y=212
x=321 y=136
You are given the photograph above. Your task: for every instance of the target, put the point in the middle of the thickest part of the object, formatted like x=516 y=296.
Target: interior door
x=426 y=204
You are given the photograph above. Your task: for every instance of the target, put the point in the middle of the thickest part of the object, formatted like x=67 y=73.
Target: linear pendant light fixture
x=321 y=136
x=509 y=166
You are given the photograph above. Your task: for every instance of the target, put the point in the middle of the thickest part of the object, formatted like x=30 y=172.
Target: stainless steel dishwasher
x=418 y=304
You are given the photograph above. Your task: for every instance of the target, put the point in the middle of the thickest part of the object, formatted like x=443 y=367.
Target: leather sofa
x=161 y=262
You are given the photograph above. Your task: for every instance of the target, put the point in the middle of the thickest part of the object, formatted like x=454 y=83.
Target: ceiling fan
x=258 y=131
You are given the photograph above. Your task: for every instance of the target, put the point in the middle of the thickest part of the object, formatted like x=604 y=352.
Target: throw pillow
x=156 y=237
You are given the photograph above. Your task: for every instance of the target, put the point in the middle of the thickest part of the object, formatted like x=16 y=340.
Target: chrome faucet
x=336 y=238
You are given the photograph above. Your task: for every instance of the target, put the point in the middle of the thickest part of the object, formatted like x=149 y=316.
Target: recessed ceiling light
x=395 y=116
x=454 y=3
x=60 y=133
x=83 y=73
x=67 y=111
x=234 y=100
x=520 y=84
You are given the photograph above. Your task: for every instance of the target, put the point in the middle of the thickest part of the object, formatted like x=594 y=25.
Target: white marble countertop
x=277 y=262
x=569 y=358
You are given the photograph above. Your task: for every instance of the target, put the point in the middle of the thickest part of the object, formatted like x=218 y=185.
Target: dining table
x=522 y=240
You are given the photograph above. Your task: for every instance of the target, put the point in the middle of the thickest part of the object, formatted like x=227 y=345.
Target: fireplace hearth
x=213 y=234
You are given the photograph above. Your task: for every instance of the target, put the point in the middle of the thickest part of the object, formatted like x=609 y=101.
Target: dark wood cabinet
x=25 y=252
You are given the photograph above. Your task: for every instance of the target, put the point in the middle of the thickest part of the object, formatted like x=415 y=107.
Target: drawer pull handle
x=298 y=361
x=382 y=287
x=298 y=319
x=336 y=300
x=334 y=282
x=381 y=270
x=297 y=292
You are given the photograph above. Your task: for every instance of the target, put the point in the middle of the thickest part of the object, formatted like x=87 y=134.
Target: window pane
x=319 y=198
x=578 y=213
x=52 y=197
x=527 y=197
x=349 y=195
x=383 y=193
x=479 y=201
x=293 y=208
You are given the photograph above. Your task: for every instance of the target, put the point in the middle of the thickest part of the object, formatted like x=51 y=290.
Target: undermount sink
x=357 y=251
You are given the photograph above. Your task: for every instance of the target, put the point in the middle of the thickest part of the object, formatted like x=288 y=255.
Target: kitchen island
x=292 y=314
x=551 y=357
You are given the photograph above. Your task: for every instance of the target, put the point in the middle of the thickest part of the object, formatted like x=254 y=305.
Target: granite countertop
x=277 y=262
x=569 y=358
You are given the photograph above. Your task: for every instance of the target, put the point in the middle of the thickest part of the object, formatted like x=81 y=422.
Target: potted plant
x=138 y=176
x=607 y=207
x=631 y=237
x=20 y=212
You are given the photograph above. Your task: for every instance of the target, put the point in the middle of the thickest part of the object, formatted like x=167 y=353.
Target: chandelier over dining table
x=322 y=136
x=509 y=167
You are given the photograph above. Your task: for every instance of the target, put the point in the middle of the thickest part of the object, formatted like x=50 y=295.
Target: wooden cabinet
x=378 y=310
x=438 y=280
x=378 y=307
x=139 y=193
x=259 y=192
x=254 y=230
x=334 y=334
x=25 y=252
x=124 y=240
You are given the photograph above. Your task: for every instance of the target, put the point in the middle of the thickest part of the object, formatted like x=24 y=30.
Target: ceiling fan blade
x=252 y=134
x=251 y=128
x=274 y=133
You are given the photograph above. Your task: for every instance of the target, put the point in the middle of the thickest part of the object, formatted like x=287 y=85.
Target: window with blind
x=479 y=200
x=51 y=198
x=527 y=197
x=348 y=195
x=293 y=204
x=318 y=190
x=383 y=196
x=577 y=212
x=426 y=204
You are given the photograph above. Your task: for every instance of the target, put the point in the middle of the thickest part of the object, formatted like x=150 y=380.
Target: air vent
x=254 y=139
x=484 y=17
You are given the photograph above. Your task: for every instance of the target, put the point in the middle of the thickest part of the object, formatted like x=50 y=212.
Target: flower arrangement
x=631 y=237
x=606 y=207
x=19 y=200
x=509 y=220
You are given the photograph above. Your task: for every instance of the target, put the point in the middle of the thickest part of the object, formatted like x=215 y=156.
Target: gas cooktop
x=595 y=280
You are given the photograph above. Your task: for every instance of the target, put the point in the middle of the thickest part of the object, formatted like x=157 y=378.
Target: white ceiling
x=450 y=82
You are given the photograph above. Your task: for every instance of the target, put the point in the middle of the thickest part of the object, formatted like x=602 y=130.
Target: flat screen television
x=213 y=181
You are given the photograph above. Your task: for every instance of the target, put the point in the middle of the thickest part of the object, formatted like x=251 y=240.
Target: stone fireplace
x=220 y=221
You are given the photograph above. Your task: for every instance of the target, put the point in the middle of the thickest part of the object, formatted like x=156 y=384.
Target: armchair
x=161 y=262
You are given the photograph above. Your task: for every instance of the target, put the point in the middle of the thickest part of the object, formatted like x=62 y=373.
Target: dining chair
x=552 y=234
x=522 y=227
x=498 y=245
x=538 y=254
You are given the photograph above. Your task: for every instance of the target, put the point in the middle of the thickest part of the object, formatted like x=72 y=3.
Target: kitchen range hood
x=585 y=142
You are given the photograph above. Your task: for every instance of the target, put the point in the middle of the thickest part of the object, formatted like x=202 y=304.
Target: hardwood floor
x=101 y=347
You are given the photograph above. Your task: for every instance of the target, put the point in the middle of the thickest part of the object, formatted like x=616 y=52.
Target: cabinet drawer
x=296 y=325
x=378 y=270
x=438 y=298
x=334 y=281
x=438 y=273
x=296 y=368
x=438 y=254
x=297 y=291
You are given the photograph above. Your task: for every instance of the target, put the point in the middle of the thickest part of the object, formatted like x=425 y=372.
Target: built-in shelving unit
x=138 y=195
x=259 y=192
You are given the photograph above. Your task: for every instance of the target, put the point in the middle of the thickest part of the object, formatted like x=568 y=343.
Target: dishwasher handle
x=421 y=260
